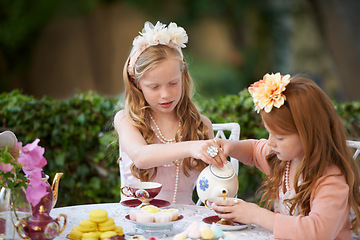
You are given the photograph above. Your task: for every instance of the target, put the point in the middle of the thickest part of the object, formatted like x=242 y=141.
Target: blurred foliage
x=210 y=78
x=80 y=141
x=350 y=114
x=78 y=138
x=22 y=21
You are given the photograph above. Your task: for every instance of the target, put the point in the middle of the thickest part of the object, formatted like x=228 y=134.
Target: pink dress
x=329 y=214
x=165 y=176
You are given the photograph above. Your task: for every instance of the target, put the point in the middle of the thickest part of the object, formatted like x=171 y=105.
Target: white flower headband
x=172 y=36
x=268 y=92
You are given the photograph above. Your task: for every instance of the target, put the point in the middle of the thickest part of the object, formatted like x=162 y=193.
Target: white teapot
x=212 y=182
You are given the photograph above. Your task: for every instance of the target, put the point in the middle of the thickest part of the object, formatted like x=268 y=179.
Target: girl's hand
x=236 y=210
x=201 y=152
x=245 y=212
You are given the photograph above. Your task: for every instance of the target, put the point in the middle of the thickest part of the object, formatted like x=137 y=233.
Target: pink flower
x=35 y=191
x=6 y=167
x=31 y=156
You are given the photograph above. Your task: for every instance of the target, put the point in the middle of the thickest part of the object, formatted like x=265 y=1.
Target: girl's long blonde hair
x=309 y=112
x=137 y=109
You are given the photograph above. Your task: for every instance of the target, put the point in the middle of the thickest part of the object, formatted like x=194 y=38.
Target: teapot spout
x=220 y=191
x=55 y=187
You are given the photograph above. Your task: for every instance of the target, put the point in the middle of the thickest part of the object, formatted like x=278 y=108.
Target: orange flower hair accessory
x=268 y=92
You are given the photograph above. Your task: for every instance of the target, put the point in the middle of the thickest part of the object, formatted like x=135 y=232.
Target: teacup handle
x=206 y=204
x=21 y=224
x=58 y=220
x=126 y=194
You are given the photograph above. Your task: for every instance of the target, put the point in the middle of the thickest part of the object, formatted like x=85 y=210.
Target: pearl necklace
x=177 y=163
x=287 y=173
x=176 y=180
x=160 y=136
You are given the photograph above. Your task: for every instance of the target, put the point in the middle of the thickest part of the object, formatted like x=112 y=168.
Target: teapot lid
x=226 y=171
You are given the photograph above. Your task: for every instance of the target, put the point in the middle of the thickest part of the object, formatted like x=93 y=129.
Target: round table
x=191 y=213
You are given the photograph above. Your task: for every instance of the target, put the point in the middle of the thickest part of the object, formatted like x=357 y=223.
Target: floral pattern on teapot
x=204 y=184
x=212 y=182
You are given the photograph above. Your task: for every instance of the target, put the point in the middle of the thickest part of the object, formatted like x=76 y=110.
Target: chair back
x=234 y=129
x=356 y=145
x=220 y=130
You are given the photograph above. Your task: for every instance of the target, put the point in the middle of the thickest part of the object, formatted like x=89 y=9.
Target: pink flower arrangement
x=6 y=167
x=32 y=160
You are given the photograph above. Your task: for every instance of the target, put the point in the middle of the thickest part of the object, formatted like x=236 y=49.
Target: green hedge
x=79 y=139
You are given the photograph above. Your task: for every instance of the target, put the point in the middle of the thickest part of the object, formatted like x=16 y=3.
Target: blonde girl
x=311 y=181
x=160 y=126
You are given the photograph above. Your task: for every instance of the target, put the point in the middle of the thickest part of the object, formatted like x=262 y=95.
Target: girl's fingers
x=217 y=162
x=222 y=157
x=212 y=153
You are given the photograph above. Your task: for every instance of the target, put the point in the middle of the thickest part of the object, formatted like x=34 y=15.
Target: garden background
x=61 y=67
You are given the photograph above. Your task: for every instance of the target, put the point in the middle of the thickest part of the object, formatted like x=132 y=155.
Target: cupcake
x=150 y=209
x=133 y=213
x=163 y=217
x=145 y=217
x=174 y=212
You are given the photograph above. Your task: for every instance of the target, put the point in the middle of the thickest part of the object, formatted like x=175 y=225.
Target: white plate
x=155 y=225
x=214 y=219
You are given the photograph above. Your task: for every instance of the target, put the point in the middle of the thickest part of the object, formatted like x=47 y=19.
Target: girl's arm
x=147 y=156
x=250 y=152
x=241 y=150
x=328 y=217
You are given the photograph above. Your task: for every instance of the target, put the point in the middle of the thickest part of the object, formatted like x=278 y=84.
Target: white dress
x=165 y=176
x=279 y=205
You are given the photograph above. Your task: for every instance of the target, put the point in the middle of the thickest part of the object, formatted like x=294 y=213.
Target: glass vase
x=13 y=207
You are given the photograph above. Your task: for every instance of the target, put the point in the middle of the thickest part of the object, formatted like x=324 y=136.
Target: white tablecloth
x=117 y=211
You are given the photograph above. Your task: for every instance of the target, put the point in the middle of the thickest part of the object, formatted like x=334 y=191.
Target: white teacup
x=210 y=201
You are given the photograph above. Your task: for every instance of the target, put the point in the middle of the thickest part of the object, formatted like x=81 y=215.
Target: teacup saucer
x=136 y=202
x=214 y=219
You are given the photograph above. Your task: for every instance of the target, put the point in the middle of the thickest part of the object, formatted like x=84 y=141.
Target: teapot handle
x=21 y=224
x=58 y=220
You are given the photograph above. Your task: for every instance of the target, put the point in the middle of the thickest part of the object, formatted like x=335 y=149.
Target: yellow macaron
x=98 y=215
x=87 y=226
x=108 y=225
x=75 y=234
x=107 y=234
x=90 y=236
x=119 y=230
x=77 y=227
